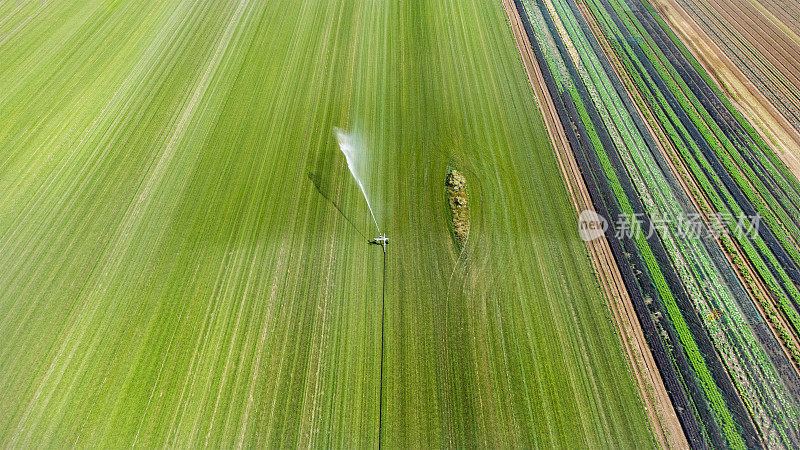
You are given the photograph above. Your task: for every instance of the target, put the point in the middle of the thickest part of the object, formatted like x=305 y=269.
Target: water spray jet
x=351 y=149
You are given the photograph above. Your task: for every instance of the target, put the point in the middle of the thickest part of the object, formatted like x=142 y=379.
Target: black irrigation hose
x=383 y=316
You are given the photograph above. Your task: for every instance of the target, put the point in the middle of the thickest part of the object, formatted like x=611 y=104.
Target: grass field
x=183 y=253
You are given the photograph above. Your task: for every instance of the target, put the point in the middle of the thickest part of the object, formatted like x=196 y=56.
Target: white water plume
x=354 y=152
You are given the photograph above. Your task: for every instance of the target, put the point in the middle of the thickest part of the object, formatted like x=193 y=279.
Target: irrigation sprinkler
x=353 y=154
x=381 y=240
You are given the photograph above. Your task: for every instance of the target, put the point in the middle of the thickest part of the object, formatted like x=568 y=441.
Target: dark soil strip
x=785 y=262
x=700 y=87
x=732 y=129
x=715 y=366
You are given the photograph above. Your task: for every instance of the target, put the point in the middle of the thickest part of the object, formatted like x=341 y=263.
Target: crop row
x=777 y=206
x=746 y=130
x=750 y=353
x=764 y=152
x=640 y=285
x=717 y=300
x=775 y=263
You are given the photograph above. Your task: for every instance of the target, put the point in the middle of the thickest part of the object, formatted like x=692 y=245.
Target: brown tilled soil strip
x=658 y=407
x=777 y=22
x=762 y=34
x=757 y=109
x=779 y=11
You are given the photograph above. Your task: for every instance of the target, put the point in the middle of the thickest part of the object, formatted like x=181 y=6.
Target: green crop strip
x=765 y=150
x=699 y=167
x=730 y=157
x=783 y=288
x=747 y=275
x=745 y=338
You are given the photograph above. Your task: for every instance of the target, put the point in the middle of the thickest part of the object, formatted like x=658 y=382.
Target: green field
x=183 y=253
